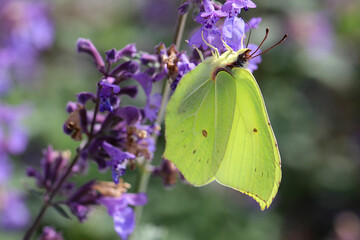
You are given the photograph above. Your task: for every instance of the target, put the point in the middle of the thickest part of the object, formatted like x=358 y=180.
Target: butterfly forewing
x=198 y=123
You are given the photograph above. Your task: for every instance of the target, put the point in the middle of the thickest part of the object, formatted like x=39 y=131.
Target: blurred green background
x=312 y=90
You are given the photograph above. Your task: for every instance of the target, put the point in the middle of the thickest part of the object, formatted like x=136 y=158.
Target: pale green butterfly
x=217 y=128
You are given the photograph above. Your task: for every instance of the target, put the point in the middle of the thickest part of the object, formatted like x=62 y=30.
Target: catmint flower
x=50 y=233
x=152 y=101
x=147 y=58
x=6 y=168
x=233 y=32
x=209 y=31
x=26 y=30
x=234 y=6
x=118 y=160
x=54 y=165
x=89 y=195
x=152 y=106
x=81 y=200
x=124 y=71
x=122 y=213
x=107 y=95
x=253 y=23
x=184 y=8
x=13 y=136
x=13 y=211
x=86 y=46
x=184 y=66
x=210 y=16
x=85 y=96
x=113 y=56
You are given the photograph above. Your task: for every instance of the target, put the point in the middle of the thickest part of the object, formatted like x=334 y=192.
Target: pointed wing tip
x=263 y=204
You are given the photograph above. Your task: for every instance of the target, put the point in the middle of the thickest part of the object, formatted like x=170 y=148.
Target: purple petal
x=130 y=114
x=118 y=161
x=233 y=32
x=5 y=168
x=135 y=199
x=152 y=106
x=131 y=91
x=111 y=56
x=125 y=69
x=50 y=234
x=124 y=222
x=127 y=51
x=13 y=213
x=184 y=8
x=254 y=23
x=85 y=96
x=86 y=46
x=145 y=81
x=148 y=58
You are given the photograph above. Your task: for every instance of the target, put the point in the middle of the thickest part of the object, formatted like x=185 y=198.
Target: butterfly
x=217 y=128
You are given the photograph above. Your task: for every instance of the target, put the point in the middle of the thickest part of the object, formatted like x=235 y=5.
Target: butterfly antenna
x=247 y=43
x=282 y=40
x=266 y=35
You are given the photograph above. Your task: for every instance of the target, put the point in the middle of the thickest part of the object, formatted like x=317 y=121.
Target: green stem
x=144 y=174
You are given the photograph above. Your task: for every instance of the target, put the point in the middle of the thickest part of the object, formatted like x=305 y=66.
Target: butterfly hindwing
x=252 y=160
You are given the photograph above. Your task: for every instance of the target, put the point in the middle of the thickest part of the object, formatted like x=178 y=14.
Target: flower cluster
x=114 y=136
x=222 y=25
x=26 y=30
x=13 y=141
x=123 y=133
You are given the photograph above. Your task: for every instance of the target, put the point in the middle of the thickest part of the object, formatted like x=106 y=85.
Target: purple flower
x=210 y=16
x=118 y=162
x=54 y=164
x=85 y=96
x=184 y=66
x=107 y=94
x=113 y=56
x=130 y=114
x=125 y=70
x=212 y=37
x=6 y=168
x=13 y=211
x=123 y=215
x=26 y=29
x=86 y=46
x=253 y=62
x=81 y=200
x=147 y=58
x=234 y=6
x=145 y=81
x=50 y=233
x=211 y=34
x=13 y=136
x=253 y=23
x=184 y=8
x=233 y=32
x=152 y=106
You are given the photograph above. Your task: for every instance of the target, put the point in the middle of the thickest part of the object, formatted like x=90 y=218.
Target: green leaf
x=61 y=211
